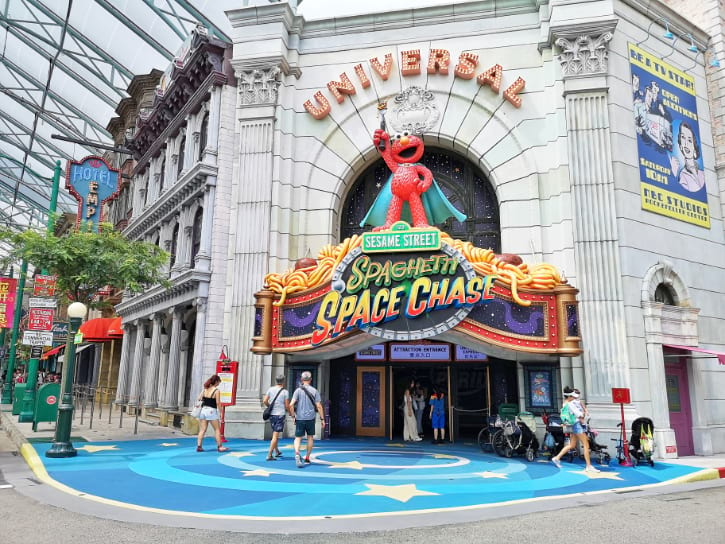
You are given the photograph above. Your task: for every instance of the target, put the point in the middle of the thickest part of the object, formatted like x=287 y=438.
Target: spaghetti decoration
x=541 y=277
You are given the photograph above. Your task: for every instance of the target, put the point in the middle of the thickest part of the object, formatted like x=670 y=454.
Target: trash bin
x=46 y=404
x=18 y=394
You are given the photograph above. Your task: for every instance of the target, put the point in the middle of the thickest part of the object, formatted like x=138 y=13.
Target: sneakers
x=199 y=448
x=592 y=469
x=556 y=462
x=298 y=461
x=307 y=461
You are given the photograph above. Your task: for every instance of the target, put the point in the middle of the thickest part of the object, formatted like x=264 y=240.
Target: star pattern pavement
x=402 y=493
x=94 y=449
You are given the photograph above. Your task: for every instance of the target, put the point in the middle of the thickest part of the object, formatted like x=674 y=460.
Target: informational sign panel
x=227 y=371
x=40 y=319
x=467 y=354
x=44 y=286
x=37 y=338
x=60 y=332
x=672 y=177
x=92 y=182
x=420 y=352
x=8 y=287
x=34 y=302
x=373 y=353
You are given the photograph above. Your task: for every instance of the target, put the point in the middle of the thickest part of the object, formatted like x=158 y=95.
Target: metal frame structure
x=64 y=67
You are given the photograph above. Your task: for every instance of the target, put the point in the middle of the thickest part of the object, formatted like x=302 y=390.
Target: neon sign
x=92 y=182
x=400 y=297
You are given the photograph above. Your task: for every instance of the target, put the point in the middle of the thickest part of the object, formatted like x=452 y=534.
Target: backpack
x=567 y=417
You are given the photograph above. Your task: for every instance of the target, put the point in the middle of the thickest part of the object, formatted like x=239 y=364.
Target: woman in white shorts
x=210 y=413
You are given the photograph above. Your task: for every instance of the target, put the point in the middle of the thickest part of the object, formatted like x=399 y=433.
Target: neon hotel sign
x=439 y=61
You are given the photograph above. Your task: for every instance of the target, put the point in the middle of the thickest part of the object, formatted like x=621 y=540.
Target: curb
x=12 y=431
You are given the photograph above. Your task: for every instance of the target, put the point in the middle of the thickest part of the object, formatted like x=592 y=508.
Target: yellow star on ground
x=168 y=444
x=402 y=493
x=355 y=465
x=598 y=475
x=489 y=474
x=443 y=456
x=396 y=445
x=257 y=472
x=242 y=454
x=94 y=449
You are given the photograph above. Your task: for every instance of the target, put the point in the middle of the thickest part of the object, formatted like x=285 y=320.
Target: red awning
x=115 y=329
x=54 y=351
x=720 y=356
x=96 y=330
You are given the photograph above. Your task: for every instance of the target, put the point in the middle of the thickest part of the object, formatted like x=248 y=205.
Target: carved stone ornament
x=584 y=55
x=415 y=111
x=259 y=87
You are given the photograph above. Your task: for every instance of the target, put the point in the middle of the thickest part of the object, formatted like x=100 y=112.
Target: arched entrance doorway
x=473 y=381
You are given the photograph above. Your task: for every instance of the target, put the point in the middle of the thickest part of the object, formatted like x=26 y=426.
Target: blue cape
x=436 y=205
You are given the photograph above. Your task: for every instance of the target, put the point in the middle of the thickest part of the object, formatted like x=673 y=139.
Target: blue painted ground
x=346 y=477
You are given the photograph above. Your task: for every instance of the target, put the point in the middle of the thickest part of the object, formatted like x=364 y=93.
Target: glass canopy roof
x=65 y=65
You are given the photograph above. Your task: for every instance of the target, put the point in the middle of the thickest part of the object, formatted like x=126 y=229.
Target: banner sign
x=373 y=353
x=672 y=177
x=420 y=352
x=401 y=237
x=8 y=288
x=44 y=286
x=40 y=319
x=400 y=297
x=60 y=331
x=37 y=338
x=92 y=182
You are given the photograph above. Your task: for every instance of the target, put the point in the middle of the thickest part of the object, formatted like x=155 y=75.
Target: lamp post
x=61 y=442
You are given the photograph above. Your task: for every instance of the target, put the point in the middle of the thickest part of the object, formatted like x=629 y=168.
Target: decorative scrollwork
x=415 y=111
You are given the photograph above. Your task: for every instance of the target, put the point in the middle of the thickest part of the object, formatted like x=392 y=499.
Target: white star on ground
x=598 y=475
x=489 y=474
x=402 y=493
x=242 y=454
x=94 y=449
x=168 y=444
x=257 y=472
x=355 y=465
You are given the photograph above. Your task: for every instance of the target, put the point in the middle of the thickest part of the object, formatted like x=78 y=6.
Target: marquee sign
x=408 y=297
x=92 y=182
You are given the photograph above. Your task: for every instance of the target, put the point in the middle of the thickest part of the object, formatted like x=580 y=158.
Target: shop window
x=180 y=162
x=463 y=184
x=665 y=295
x=196 y=235
x=174 y=240
x=203 y=135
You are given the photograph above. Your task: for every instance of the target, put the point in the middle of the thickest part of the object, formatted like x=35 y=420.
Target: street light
x=61 y=442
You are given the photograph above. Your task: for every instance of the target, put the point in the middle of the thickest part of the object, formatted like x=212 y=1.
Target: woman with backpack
x=572 y=414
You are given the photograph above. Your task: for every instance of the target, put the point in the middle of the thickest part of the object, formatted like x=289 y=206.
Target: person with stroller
x=573 y=414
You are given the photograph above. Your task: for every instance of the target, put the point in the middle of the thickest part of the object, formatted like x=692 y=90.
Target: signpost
x=621 y=395
x=228 y=371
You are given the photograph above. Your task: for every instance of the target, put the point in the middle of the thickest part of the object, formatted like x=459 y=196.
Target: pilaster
x=197 y=367
x=150 y=396
x=169 y=400
x=138 y=357
x=123 y=369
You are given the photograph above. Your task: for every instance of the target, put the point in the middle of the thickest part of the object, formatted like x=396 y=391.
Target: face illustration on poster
x=688 y=173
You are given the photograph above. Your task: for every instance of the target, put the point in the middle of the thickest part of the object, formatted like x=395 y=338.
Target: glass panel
x=371 y=399
x=673 y=393
x=572 y=321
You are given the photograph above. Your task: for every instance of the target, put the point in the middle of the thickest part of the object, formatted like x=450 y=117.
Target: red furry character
x=410 y=180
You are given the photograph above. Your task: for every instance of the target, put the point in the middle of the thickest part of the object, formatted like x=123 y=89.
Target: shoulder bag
x=268 y=410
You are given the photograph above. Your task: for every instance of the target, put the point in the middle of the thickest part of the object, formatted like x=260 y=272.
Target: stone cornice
x=190 y=185
x=184 y=289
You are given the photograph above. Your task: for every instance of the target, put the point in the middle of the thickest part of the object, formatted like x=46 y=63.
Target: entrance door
x=678 y=399
x=371 y=408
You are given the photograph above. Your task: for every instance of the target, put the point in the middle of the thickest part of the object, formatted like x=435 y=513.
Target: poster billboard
x=664 y=102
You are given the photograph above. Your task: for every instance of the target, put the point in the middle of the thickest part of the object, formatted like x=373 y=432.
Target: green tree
x=85 y=261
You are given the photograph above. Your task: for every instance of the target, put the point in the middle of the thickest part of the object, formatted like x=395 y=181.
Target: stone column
x=203 y=257
x=163 y=368
x=150 y=397
x=197 y=358
x=169 y=402
x=212 y=140
x=138 y=357
x=123 y=368
x=251 y=210
x=583 y=61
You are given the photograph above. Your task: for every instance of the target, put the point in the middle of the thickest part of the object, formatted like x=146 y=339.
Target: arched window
x=174 y=241
x=462 y=183
x=196 y=235
x=203 y=136
x=162 y=174
x=665 y=295
x=180 y=163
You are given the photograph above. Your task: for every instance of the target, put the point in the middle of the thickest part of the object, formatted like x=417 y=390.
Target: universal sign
x=400 y=297
x=439 y=61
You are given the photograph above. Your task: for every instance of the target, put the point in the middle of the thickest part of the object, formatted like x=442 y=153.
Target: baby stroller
x=554 y=439
x=596 y=450
x=517 y=437
x=641 y=443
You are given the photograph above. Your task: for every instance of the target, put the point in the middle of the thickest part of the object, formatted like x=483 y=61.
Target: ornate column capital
x=584 y=47
x=258 y=86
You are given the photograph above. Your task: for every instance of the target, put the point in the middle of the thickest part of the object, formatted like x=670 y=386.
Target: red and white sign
x=40 y=319
x=227 y=371
x=44 y=286
x=670 y=449
x=52 y=399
